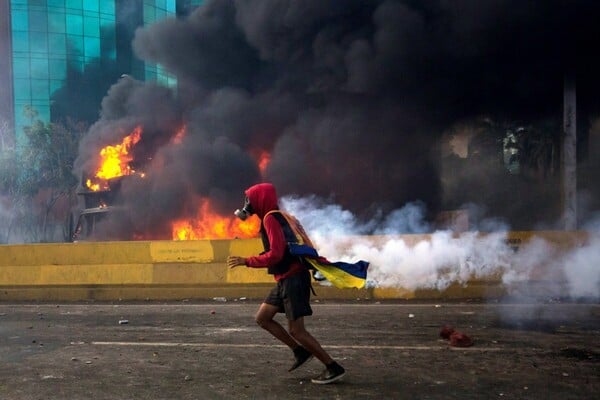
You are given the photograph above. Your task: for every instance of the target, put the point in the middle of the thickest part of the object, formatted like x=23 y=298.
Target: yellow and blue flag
x=341 y=274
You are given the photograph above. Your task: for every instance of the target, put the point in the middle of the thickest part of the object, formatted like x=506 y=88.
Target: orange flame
x=210 y=225
x=263 y=161
x=262 y=157
x=115 y=161
x=178 y=138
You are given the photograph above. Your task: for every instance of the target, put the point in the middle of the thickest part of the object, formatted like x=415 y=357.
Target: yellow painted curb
x=194 y=269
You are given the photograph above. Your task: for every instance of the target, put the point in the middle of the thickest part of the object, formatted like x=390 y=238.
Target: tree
x=9 y=190
x=538 y=149
x=37 y=176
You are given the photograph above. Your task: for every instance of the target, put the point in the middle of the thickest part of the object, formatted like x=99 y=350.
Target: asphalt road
x=214 y=350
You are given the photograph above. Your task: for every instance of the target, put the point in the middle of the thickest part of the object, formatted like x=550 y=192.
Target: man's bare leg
x=302 y=336
x=264 y=318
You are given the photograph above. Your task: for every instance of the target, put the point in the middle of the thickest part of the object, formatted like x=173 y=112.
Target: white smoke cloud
x=406 y=258
x=582 y=270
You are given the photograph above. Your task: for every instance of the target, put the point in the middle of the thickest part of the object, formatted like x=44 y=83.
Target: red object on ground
x=446 y=332
x=459 y=339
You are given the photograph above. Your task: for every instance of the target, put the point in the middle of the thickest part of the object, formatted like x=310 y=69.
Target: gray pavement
x=214 y=350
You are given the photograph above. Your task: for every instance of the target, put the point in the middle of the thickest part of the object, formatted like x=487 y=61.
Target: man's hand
x=234 y=261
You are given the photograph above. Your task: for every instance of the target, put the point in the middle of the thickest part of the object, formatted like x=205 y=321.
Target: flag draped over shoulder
x=341 y=274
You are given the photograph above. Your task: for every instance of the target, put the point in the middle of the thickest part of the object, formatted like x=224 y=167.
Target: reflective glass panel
x=91 y=5
x=75 y=45
x=57 y=43
x=107 y=7
x=55 y=85
x=38 y=21
x=22 y=89
x=57 y=68
x=20 y=41
x=56 y=22
x=21 y=67
x=40 y=89
x=74 y=4
x=39 y=68
x=38 y=42
x=20 y=20
x=56 y=3
x=92 y=47
x=91 y=26
x=74 y=24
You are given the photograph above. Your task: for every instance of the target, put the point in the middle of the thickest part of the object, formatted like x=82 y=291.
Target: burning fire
x=263 y=158
x=115 y=161
x=263 y=161
x=178 y=138
x=210 y=225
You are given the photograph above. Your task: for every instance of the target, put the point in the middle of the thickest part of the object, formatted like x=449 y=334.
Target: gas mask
x=245 y=212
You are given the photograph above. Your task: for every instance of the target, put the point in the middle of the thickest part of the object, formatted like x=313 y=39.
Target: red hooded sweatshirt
x=263 y=199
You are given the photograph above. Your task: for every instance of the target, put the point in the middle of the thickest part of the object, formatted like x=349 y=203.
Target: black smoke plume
x=350 y=97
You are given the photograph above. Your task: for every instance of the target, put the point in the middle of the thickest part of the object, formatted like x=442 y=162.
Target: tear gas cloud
x=437 y=260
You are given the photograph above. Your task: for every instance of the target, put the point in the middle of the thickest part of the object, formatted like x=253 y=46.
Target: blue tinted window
x=149 y=14
x=38 y=42
x=57 y=43
x=92 y=47
x=57 y=68
x=40 y=89
x=74 y=24
x=38 y=21
x=41 y=3
x=162 y=79
x=77 y=64
x=20 y=118
x=43 y=111
x=21 y=67
x=107 y=7
x=39 y=68
x=20 y=41
x=74 y=4
x=56 y=3
x=20 y=21
x=75 y=44
x=110 y=54
x=55 y=85
x=171 y=5
x=22 y=89
x=107 y=28
x=91 y=26
x=150 y=75
x=91 y=5
x=56 y=22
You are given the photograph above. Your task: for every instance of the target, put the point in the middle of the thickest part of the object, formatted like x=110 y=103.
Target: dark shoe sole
x=301 y=364
x=330 y=380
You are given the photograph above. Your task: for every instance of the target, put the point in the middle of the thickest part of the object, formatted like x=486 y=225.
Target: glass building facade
x=47 y=37
x=155 y=10
x=43 y=41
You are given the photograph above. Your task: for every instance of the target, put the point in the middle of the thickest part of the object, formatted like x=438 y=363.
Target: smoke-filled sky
x=349 y=97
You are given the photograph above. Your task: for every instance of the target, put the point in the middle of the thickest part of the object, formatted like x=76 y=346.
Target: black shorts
x=292 y=296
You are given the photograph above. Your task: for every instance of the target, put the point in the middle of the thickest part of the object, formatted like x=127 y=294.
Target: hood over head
x=263 y=198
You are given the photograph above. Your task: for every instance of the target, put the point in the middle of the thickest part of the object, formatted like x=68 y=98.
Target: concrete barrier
x=174 y=270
